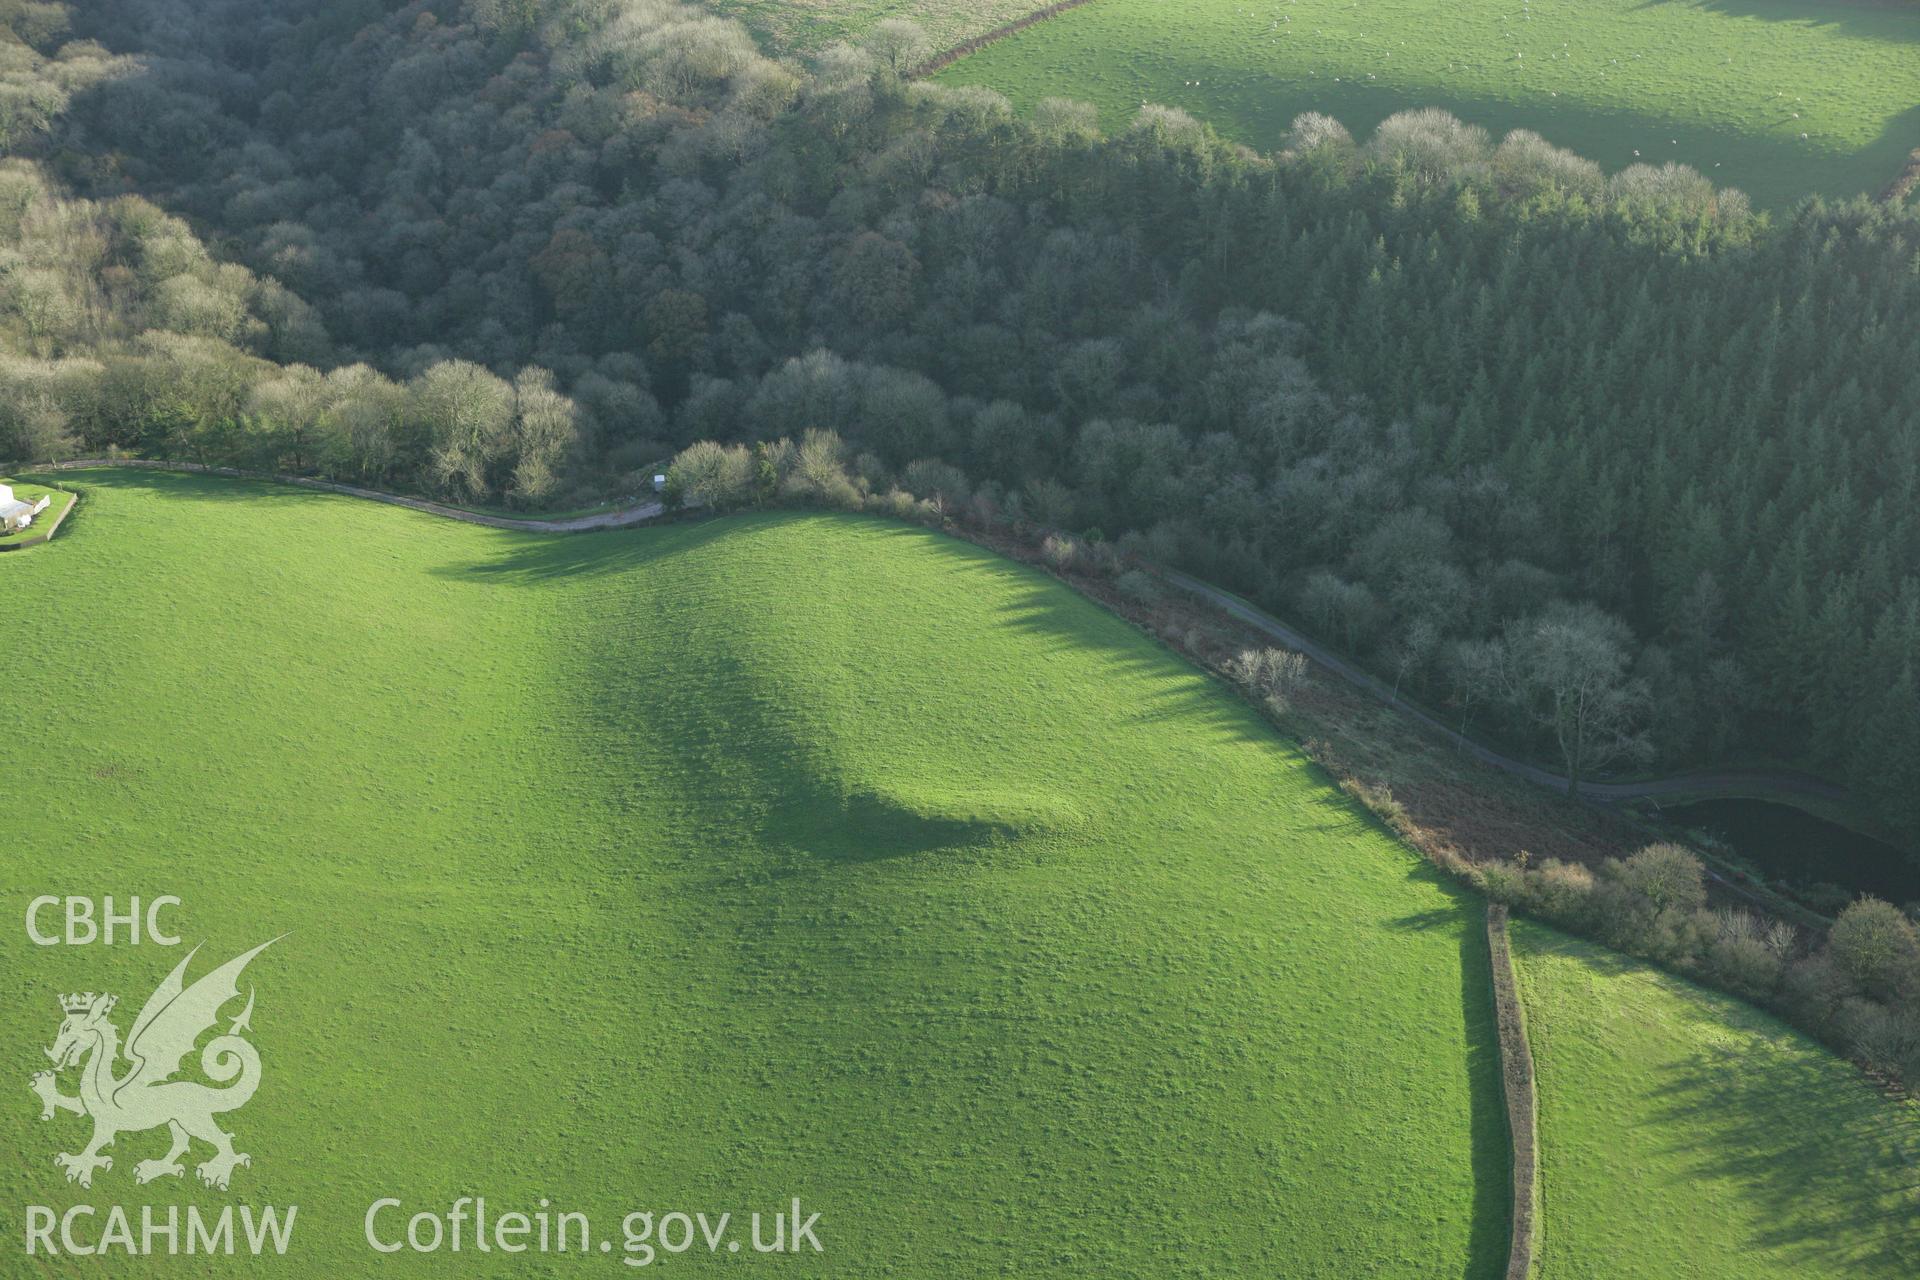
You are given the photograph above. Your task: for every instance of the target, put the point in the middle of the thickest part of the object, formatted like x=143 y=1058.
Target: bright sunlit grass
x=707 y=866
x=812 y=25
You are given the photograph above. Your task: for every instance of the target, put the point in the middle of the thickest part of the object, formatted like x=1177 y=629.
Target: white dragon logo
x=174 y=1017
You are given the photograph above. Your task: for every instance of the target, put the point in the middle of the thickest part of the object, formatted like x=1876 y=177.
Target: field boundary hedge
x=73 y=500
x=1904 y=185
x=1523 y=1108
x=941 y=61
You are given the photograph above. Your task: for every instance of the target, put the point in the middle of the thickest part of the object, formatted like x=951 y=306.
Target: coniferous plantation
x=1607 y=468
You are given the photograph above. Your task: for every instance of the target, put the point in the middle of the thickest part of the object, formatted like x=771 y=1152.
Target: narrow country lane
x=1702 y=785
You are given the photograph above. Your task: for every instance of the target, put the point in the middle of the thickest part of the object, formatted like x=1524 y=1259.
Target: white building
x=16 y=513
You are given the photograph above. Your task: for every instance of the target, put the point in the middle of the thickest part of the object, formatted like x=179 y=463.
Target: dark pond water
x=1795 y=848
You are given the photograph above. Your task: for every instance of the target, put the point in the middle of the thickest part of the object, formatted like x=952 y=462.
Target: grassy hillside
x=812 y=25
x=1727 y=88
x=1684 y=1134
x=708 y=866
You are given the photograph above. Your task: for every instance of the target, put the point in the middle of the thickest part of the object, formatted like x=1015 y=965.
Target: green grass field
x=1716 y=85
x=808 y=26
x=707 y=866
x=1685 y=1134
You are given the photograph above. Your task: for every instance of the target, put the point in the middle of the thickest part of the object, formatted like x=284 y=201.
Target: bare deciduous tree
x=1567 y=672
x=900 y=45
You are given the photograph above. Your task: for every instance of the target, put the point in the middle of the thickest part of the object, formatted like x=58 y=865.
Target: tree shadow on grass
x=745 y=751
x=520 y=559
x=1835 y=1171
x=1531 y=937
x=1057 y=613
x=1426 y=921
x=1901 y=140
x=1490 y=1142
x=1834 y=1166
x=1045 y=608
x=181 y=485
x=840 y=825
x=742 y=757
x=1861 y=19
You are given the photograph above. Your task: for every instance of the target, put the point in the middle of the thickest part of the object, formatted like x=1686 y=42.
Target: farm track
x=1783 y=784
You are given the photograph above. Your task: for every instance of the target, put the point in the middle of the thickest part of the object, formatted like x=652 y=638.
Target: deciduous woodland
x=1469 y=407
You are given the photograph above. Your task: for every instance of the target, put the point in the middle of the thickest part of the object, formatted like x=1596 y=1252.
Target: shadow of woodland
x=1786 y=1127
x=1861 y=19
